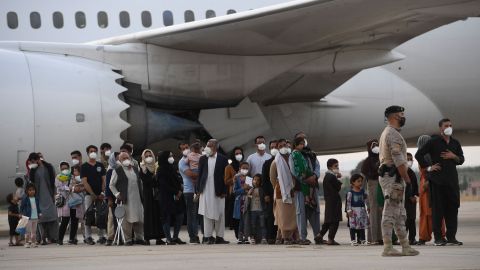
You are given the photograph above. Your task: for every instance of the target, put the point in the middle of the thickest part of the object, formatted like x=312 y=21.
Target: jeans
x=304 y=214
x=257 y=217
x=176 y=226
x=192 y=215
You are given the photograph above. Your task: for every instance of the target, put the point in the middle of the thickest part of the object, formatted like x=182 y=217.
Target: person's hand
x=100 y=197
x=448 y=155
x=339 y=175
x=311 y=181
x=413 y=199
x=119 y=197
x=110 y=202
x=350 y=213
x=267 y=199
x=436 y=167
x=223 y=195
x=94 y=197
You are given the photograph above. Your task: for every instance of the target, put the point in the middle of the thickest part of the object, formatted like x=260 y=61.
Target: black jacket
x=51 y=177
x=434 y=147
x=412 y=188
x=219 y=174
x=266 y=184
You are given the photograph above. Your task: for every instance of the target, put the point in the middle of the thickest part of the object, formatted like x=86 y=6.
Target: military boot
x=407 y=250
x=388 y=250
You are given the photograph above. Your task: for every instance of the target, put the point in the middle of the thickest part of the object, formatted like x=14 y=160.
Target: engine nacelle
x=55 y=104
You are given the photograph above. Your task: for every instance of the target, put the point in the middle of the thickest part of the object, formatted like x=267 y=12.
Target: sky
x=348 y=162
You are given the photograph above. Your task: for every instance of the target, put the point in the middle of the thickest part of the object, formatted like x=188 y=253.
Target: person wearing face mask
x=240 y=189
x=370 y=170
x=170 y=197
x=42 y=174
x=111 y=220
x=152 y=223
x=127 y=188
x=411 y=198
x=212 y=189
x=283 y=185
x=446 y=154
x=76 y=158
x=128 y=148
x=393 y=175
x=62 y=184
x=268 y=192
x=93 y=177
x=191 y=205
x=231 y=170
x=77 y=211
x=105 y=152
x=257 y=159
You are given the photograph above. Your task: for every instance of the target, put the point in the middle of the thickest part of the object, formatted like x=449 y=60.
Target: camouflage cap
x=393 y=109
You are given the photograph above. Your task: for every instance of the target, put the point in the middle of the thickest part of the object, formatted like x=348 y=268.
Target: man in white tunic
x=212 y=189
x=126 y=186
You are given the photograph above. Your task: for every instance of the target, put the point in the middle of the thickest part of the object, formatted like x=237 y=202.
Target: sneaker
x=159 y=242
x=305 y=242
x=109 y=243
x=34 y=245
x=332 y=243
x=102 y=240
x=354 y=243
x=72 y=242
x=89 y=241
x=279 y=242
x=264 y=242
x=253 y=241
x=421 y=243
x=27 y=245
x=413 y=242
x=171 y=243
x=60 y=242
x=365 y=243
x=454 y=242
x=440 y=243
x=220 y=240
x=211 y=240
x=194 y=240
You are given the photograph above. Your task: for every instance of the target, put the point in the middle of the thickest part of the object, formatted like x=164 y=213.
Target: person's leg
x=208 y=227
x=53 y=231
x=178 y=225
x=138 y=230
x=127 y=231
x=437 y=210
x=300 y=211
x=375 y=212
x=166 y=228
x=332 y=230
x=352 y=234
x=361 y=235
x=410 y=222
x=220 y=226
x=110 y=226
x=390 y=211
x=313 y=215
x=63 y=227
x=241 y=228
x=263 y=228
x=88 y=228
x=325 y=228
x=73 y=225
x=34 y=231
x=236 y=226
x=192 y=228
x=452 y=196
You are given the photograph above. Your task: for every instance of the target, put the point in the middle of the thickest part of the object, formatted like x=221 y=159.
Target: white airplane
x=86 y=72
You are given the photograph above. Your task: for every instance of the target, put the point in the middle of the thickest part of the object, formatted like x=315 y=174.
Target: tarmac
x=233 y=256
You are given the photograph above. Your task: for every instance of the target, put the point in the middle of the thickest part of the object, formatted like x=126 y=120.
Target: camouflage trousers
x=394 y=213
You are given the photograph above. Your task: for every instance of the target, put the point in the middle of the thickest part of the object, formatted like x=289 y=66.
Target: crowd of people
x=268 y=197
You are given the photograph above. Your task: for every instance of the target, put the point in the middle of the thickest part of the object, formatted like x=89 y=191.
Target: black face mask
x=402 y=121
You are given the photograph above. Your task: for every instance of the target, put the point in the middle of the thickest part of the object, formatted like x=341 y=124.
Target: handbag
x=74 y=200
x=22 y=225
x=59 y=200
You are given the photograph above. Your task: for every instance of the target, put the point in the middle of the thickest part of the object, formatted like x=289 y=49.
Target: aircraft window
x=210 y=14
x=12 y=20
x=146 y=19
x=35 y=20
x=167 y=18
x=80 y=19
x=231 y=11
x=124 y=19
x=57 y=19
x=189 y=16
x=102 y=19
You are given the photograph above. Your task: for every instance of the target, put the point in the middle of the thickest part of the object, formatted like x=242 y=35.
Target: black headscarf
x=235 y=163
x=371 y=163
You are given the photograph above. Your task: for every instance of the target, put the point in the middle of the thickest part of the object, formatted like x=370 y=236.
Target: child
x=30 y=207
x=303 y=171
x=77 y=213
x=13 y=218
x=333 y=203
x=62 y=183
x=194 y=157
x=20 y=192
x=357 y=213
x=256 y=206
x=240 y=189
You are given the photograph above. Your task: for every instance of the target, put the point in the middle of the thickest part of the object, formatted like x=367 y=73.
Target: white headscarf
x=148 y=166
x=285 y=179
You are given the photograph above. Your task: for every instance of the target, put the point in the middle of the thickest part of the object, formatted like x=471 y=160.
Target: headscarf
x=167 y=171
x=236 y=164
x=422 y=140
x=285 y=179
x=61 y=176
x=371 y=163
x=148 y=166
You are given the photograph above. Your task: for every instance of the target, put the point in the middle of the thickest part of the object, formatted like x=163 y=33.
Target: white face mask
x=283 y=150
x=108 y=153
x=92 y=155
x=289 y=150
x=149 y=160
x=171 y=160
x=335 y=170
x=376 y=150
x=306 y=143
x=239 y=157
x=78 y=178
x=261 y=147
x=208 y=151
x=185 y=152
x=75 y=161
x=126 y=162
x=65 y=172
x=243 y=172
x=33 y=166
x=274 y=152
x=448 y=131
x=410 y=164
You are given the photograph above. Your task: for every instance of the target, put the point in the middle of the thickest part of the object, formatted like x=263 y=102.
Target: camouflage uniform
x=393 y=152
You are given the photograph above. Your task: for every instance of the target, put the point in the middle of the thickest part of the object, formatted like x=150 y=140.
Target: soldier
x=392 y=177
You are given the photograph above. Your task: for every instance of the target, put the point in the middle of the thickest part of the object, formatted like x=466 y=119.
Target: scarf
x=300 y=165
x=151 y=167
x=285 y=179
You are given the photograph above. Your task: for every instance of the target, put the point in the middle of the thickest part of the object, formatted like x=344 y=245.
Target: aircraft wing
x=306 y=26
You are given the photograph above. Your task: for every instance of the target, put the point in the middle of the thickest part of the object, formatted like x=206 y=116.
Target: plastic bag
x=22 y=225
